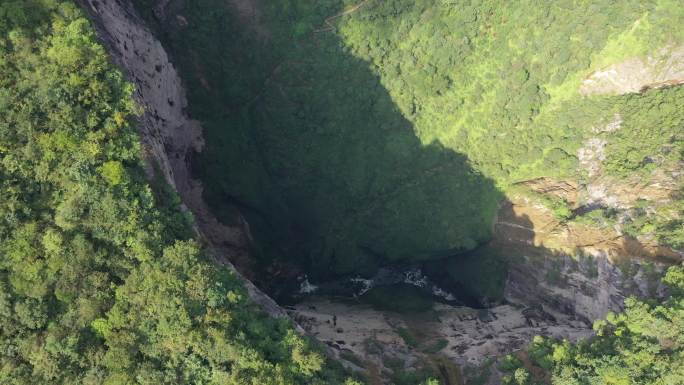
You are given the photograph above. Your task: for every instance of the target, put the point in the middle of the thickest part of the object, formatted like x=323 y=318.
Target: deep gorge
x=331 y=171
x=450 y=192
x=327 y=172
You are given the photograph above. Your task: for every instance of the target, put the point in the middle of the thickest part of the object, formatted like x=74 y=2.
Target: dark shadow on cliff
x=303 y=140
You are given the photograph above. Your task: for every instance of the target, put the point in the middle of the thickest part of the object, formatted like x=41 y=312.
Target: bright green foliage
x=99 y=280
x=499 y=82
x=509 y=363
x=521 y=376
x=539 y=352
x=113 y=172
x=666 y=222
x=644 y=345
x=178 y=318
x=382 y=140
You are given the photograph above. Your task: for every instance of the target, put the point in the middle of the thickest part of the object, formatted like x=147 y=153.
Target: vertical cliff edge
x=168 y=135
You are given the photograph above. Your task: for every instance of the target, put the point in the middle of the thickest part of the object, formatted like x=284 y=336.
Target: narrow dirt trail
x=328 y=20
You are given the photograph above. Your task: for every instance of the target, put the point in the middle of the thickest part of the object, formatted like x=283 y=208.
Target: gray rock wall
x=584 y=287
x=663 y=68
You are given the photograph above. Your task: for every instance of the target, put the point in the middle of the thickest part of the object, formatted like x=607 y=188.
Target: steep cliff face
x=586 y=288
x=584 y=268
x=544 y=244
x=582 y=265
x=169 y=136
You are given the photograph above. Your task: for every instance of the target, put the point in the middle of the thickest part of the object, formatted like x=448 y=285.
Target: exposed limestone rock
x=662 y=69
x=572 y=268
x=571 y=292
x=612 y=126
x=577 y=268
x=624 y=193
x=565 y=190
x=586 y=288
x=582 y=269
x=467 y=336
x=607 y=191
x=591 y=157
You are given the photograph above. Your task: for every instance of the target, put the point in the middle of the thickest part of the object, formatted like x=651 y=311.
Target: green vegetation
x=436 y=347
x=390 y=136
x=561 y=209
x=100 y=280
x=421 y=377
x=666 y=223
x=306 y=140
x=408 y=337
x=643 y=345
x=401 y=375
x=509 y=67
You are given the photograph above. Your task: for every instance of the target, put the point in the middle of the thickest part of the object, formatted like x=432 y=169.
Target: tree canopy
x=101 y=282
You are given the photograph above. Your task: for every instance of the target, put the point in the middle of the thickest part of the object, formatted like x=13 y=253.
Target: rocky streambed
x=403 y=315
x=464 y=335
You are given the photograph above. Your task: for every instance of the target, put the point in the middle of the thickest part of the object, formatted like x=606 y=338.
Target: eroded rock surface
x=586 y=288
x=580 y=268
x=571 y=291
x=465 y=336
x=574 y=268
x=608 y=191
x=662 y=69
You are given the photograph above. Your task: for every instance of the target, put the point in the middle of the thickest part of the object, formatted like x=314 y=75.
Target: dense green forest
x=100 y=280
x=390 y=133
x=500 y=82
x=387 y=136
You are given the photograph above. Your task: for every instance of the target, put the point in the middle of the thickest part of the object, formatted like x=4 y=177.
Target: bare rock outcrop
x=583 y=268
x=576 y=269
x=549 y=271
x=465 y=336
x=586 y=288
x=662 y=69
